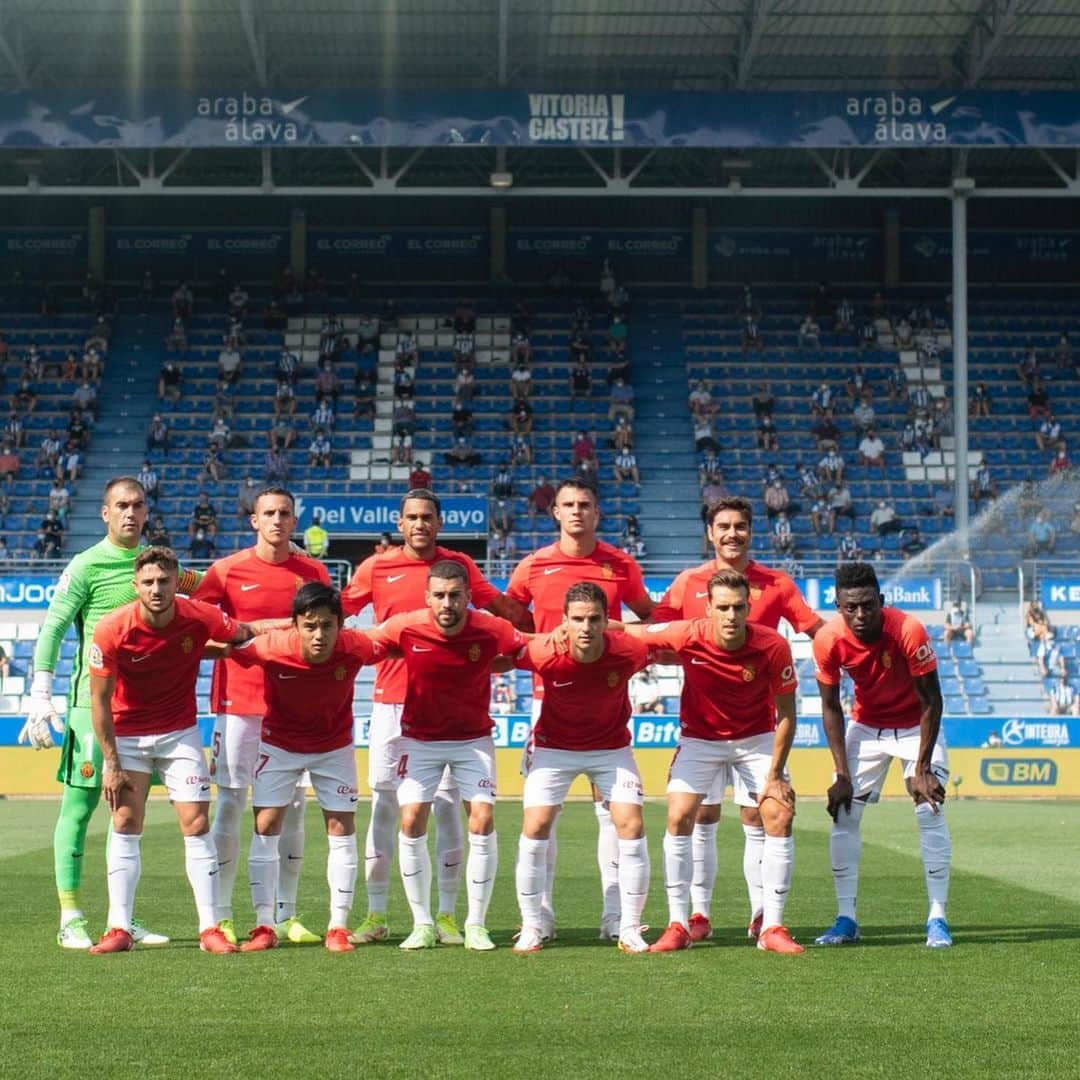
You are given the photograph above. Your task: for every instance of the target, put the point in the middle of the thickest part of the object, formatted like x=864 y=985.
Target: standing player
x=897 y=714
x=773 y=596
x=95 y=582
x=583 y=728
x=394 y=582
x=250 y=585
x=541 y=579
x=737 y=713
x=310 y=671
x=446 y=724
x=144 y=662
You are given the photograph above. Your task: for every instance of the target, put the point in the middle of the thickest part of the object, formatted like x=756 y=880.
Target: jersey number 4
x=403 y=766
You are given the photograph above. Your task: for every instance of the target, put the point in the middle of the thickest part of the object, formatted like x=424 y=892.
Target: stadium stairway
x=1012 y=686
x=670 y=495
x=128 y=397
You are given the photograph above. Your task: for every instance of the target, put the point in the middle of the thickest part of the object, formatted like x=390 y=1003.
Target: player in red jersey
x=541 y=579
x=446 y=723
x=254 y=584
x=738 y=713
x=393 y=582
x=309 y=673
x=897 y=714
x=583 y=728
x=144 y=662
x=773 y=596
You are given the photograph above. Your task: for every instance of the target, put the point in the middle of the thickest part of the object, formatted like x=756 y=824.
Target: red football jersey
x=727 y=694
x=393 y=583
x=586 y=706
x=308 y=706
x=449 y=678
x=249 y=589
x=773 y=596
x=883 y=672
x=542 y=579
x=155 y=669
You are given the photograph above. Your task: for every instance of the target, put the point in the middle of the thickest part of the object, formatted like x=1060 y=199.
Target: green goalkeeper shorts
x=80 y=756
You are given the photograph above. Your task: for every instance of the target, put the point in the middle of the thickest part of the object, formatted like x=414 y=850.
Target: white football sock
x=449 y=846
x=607 y=857
x=123 y=861
x=228 y=813
x=777 y=863
x=529 y=877
x=753 y=848
x=263 y=866
x=342 y=863
x=547 y=901
x=480 y=876
x=201 y=863
x=701 y=888
x=379 y=848
x=845 y=849
x=935 y=843
x=678 y=873
x=633 y=882
x=415 y=862
x=291 y=848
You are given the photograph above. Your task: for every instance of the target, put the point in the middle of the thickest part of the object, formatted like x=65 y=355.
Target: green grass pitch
x=1004 y=1002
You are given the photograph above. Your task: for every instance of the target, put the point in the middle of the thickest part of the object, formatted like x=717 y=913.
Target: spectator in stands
x=238 y=302
x=283 y=433
x=1038 y=401
x=274 y=317
x=712 y=490
x=521 y=450
x=607 y=281
x=60 y=500
x=1049 y=658
x=25 y=399
x=911 y=542
x=69 y=368
x=580 y=348
x=943 y=501
x=464 y=350
x=420 y=477
x=622 y=435
x=320 y=451
x=202 y=546
x=5 y=551
x=919 y=399
x=462 y=453
x=810 y=486
x=862 y=415
x=845 y=318
x=79 y=428
x=33 y=363
x=385 y=544
x=777 y=499
x=1061 y=463
x=541 y=499
x=521 y=379
x=213 y=465
x=502 y=483
x=708 y=465
x=316 y=538
x=330 y=334
x=157 y=434
x=751 y=336
x=618 y=332
x=884 y=519
x=822 y=400
x=323 y=415
x=501 y=513
x=276 y=466
x=1061 y=699
x=71 y=462
x=872 y=450
x=220 y=433
x=980 y=403
x=48 y=453
x=809 y=333
x=957 y=624
x=520 y=317
x=363 y=395
x=702 y=406
x=983 y=486
x=783 y=540
x=45 y=546
x=704 y=439
x=619 y=365
x=521 y=350
x=580 y=381
x=841 y=504
x=521 y=419
x=327 y=383
x=767 y=436
x=625 y=468
x=462 y=419
x=406 y=352
x=156 y=534
x=1042 y=536
x=583 y=450
x=502 y=552
x=622 y=401
x=897 y=383
x=91 y=365
x=1027 y=368
x=229 y=362
x=1048 y=433
x=849 y=549
x=97 y=340
x=246 y=497
x=1036 y=622
x=763 y=401
x=203 y=516
x=831 y=467
x=15 y=430
x=819 y=515
x=646 y=693
x=465 y=318
x=465 y=385
x=170 y=380
x=1074 y=523
x=868 y=336
x=287 y=367
x=905 y=333
x=858 y=385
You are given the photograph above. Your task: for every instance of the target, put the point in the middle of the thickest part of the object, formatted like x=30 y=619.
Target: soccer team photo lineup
x=284 y=677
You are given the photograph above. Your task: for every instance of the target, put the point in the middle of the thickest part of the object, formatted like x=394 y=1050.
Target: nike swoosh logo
x=76 y=854
x=484 y=882
x=370 y=857
x=288 y=106
x=211 y=873
x=347 y=892
x=205 y=787
x=420 y=648
x=413 y=874
x=280 y=676
x=698 y=663
x=391 y=578
x=570 y=683
x=354 y=799
x=450 y=865
x=140 y=659
x=248 y=588
x=294 y=858
x=553 y=570
x=700 y=595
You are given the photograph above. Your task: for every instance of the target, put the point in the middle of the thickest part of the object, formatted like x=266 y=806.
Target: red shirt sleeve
x=635 y=584
x=784 y=679
x=825 y=657
x=363 y=645
x=518 y=587
x=211 y=590
x=918 y=651
x=357 y=594
x=252 y=653
x=103 y=650
x=219 y=625
x=669 y=635
x=671 y=603
x=507 y=637
x=483 y=592
x=388 y=634
x=796 y=610
x=532 y=656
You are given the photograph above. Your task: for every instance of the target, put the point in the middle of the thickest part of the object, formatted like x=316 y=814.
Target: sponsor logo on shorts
x=191 y=781
x=87 y=770
x=487 y=782
x=345 y=789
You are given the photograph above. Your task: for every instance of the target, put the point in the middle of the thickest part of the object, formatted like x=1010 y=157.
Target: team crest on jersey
x=749 y=673
x=613 y=679
x=339 y=672
x=756 y=592
x=474 y=653
x=886 y=660
x=608 y=571
x=87 y=770
x=96 y=659
x=187 y=643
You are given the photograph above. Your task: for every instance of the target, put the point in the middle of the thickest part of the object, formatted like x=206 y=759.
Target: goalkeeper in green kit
x=95 y=582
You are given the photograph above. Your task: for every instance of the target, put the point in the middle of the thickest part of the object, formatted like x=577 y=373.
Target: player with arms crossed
x=446 y=723
x=541 y=579
x=144 y=663
x=737 y=712
x=583 y=727
x=773 y=596
x=395 y=582
x=95 y=582
x=897 y=714
x=257 y=583
x=310 y=672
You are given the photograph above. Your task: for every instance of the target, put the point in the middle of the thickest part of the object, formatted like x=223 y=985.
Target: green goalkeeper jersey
x=95 y=582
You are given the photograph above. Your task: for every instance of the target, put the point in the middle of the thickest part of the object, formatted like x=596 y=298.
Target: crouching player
x=583 y=729
x=737 y=713
x=144 y=663
x=446 y=724
x=309 y=670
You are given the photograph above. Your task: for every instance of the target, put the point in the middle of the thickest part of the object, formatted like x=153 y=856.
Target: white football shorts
x=332 y=775
x=422 y=765
x=234 y=749
x=384 y=749
x=698 y=764
x=871 y=750
x=177 y=757
x=551 y=772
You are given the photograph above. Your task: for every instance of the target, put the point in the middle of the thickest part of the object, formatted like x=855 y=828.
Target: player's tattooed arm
x=262 y=626
x=113 y=777
x=924 y=785
x=513 y=611
x=832 y=718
